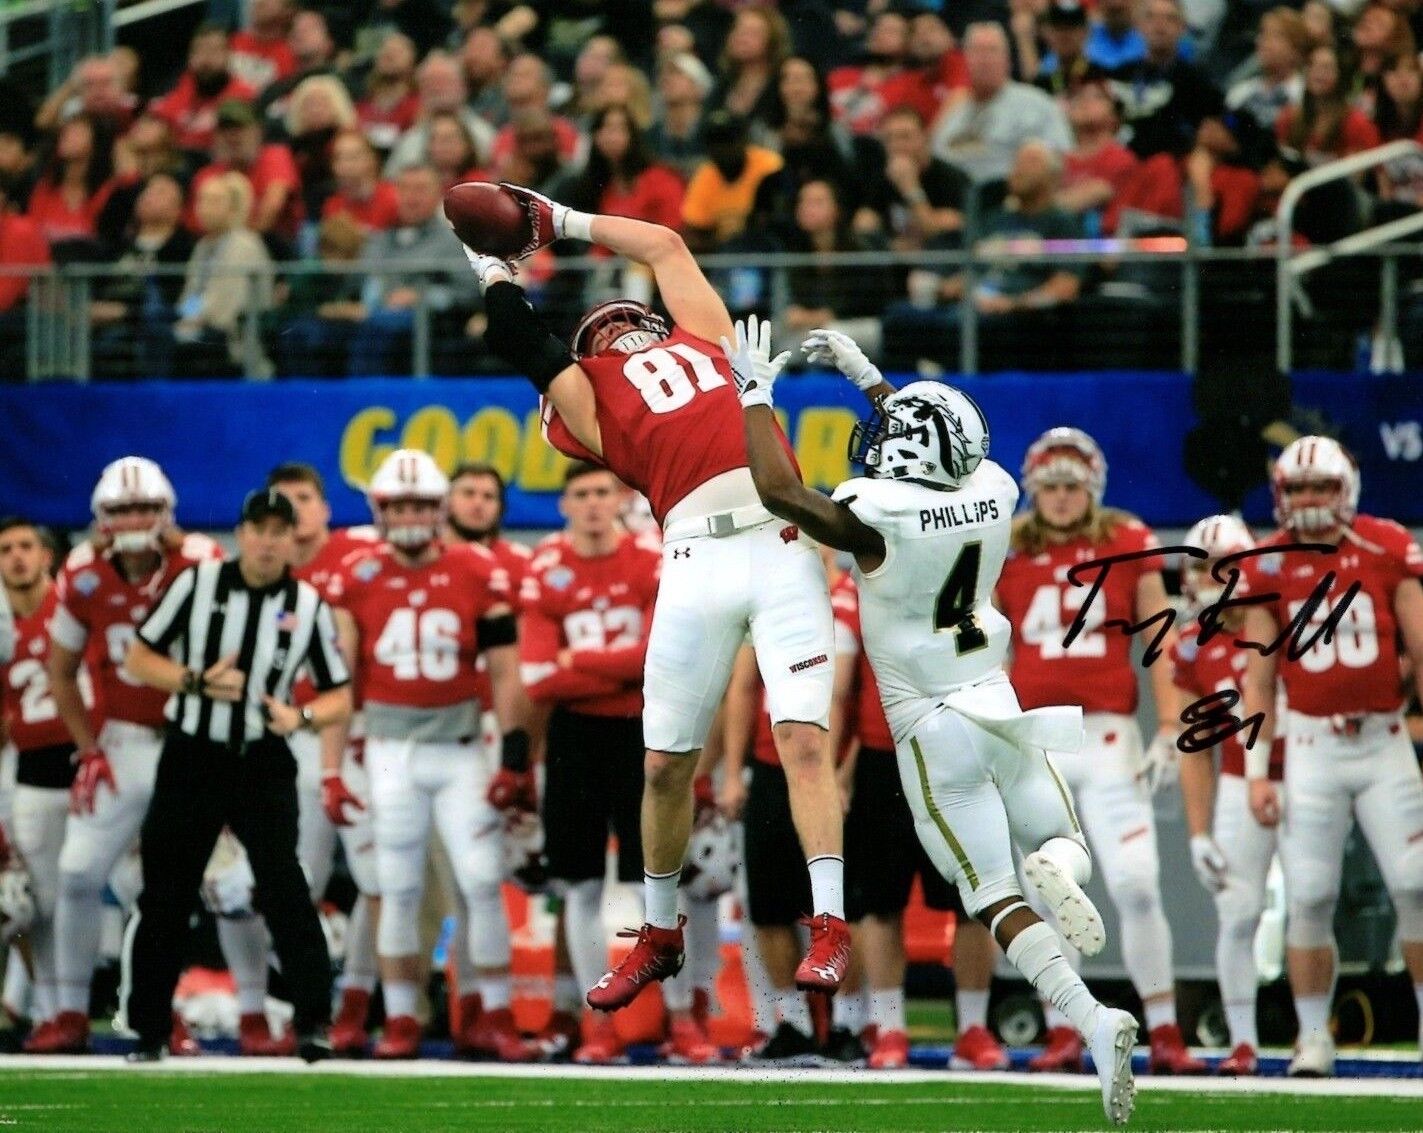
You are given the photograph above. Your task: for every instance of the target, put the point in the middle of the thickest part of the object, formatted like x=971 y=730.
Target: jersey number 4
x=953 y=611
x=661 y=376
x=424 y=645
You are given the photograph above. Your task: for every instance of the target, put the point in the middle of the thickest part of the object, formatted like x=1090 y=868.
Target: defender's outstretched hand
x=751 y=362
x=831 y=348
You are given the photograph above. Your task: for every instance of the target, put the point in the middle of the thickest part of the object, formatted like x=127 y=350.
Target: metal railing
x=58 y=33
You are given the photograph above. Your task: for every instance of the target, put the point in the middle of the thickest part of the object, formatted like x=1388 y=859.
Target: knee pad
x=1136 y=897
x=1408 y=907
x=1311 y=923
x=400 y=868
x=1238 y=909
x=488 y=927
x=482 y=864
x=399 y=931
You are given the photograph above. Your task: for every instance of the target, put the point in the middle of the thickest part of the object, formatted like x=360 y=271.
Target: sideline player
x=1230 y=851
x=1347 y=750
x=655 y=405
x=1064 y=476
x=973 y=763
x=415 y=614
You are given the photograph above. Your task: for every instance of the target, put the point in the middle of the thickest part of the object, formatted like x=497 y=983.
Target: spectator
x=934 y=69
x=534 y=158
x=440 y=82
x=261 y=54
x=1280 y=48
x=1319 y=23
x=74 y=183
x=1065 y=67
x=1164 y=99
x=857 y=92
x=758 y=41
x=316 y=317
x=528 y=83
x=319 y=109
x=803 y=97
x=360 y=194
x=1381 y=34
x=314 y=54
x=128 y=67
x=982 y=134
x=268 y=168
x=452 y=151
x=22 y=245
x=425 y=22
x=624 y=85
x=1114 y=40
x=94 y=90
x=146 y=151
x=390 y=105
x=1324 y=126
x=1399 y=115
x=722 y=192
x=683 y=84
x=485 y=56
x=592 y=63
x=621 y=178
x=1223 y=175
x=191 y=106
x=1098 y=167
x=918 y=200
x=17 y=160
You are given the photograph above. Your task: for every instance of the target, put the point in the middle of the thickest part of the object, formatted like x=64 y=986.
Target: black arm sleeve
x=501 y=629
x=518 y=335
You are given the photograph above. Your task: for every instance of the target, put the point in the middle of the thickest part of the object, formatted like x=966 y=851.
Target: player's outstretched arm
x=777 y=482
x=840 y=351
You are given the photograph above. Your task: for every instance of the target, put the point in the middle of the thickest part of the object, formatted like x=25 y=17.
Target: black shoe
x=314 y=1047
x=145 y=1053
x=843 y=1046
x=789 y=1046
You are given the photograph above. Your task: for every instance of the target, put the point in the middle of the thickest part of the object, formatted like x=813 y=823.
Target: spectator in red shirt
x=319 y=110
x=271 y=169
x=527 y=84
x=360 y=194
x=857 y=93
x=191 y=106
x=315 y=54
x=452 y=151
x=759 y=40
x=1324 y=126
x=22 y=244
x=1095 y=170
x=146 y=151
x=74 y=183
x=260 y=52
x=934 y=69
x=621 y=179
x=390 y=105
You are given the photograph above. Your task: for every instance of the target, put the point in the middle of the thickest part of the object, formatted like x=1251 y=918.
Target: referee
x=227 y=639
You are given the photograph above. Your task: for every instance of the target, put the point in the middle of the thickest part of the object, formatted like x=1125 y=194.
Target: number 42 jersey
x=928 y=624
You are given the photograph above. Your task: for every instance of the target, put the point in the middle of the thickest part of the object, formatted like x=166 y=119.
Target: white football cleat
x=1077 y=918
x=1111 y=1046
x=1314 y=1058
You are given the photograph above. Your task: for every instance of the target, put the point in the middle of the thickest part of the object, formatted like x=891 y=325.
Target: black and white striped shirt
x=210 y=612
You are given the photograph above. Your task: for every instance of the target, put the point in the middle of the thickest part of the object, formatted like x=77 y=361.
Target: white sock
x=1159 y=1013
x=703 y=931
x=847 y=1010
x=827 y=884
x=77 y=922
x=574 y=225
x=1054 y=1018
x=494 y=992
x=400 y=997
x=583 y=931
x=793 y=1009
x=244 y=946
x=659 y=894
x=565 y=993
x=1313 y=1013
x=887 y=1009
x=972 y=1008
x=1236 y=974
x=359 y=970
x=1240 y=1019
x=1036 y=954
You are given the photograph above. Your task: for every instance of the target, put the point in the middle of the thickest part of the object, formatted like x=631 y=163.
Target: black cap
x=1067 y=14
x=267 y=503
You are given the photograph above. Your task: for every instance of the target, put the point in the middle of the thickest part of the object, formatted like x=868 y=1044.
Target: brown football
x=487 y=218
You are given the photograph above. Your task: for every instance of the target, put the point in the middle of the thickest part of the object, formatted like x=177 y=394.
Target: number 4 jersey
x=928 y=625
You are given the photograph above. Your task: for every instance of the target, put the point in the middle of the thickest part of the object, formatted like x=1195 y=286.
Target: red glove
x=4 y=848
x=512 y=790
x=542 y=228
x=356 y=750
x=336 y=797
x=94 y=771
x=703 y=796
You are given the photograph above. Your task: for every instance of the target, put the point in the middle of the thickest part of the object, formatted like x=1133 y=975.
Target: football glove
x=228 y=881
x=512 y=790
x=94 y=771
x=489 y=269
x=336 y=797
x=17 y=900
x=1209 y=862
x=840 y=351
x=752 y=366
x=1161 y=764
x=545 y=218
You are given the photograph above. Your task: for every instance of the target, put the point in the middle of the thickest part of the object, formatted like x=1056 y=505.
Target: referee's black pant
x=202 y=787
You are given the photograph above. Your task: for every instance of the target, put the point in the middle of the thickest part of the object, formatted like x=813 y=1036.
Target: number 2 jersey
x=928 y=625
x=32 y=720
x=668 y=418
x=1357 y=669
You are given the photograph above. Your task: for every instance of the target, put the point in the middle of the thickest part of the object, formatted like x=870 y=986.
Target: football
x=488 y=219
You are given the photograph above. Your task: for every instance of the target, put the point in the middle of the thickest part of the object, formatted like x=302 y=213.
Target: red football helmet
x=619 y=326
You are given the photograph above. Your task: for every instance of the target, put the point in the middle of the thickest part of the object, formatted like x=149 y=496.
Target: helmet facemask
x=621 y=326
x=410 y=534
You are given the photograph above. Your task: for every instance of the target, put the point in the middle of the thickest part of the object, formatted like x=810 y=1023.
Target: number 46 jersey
x=926 y=617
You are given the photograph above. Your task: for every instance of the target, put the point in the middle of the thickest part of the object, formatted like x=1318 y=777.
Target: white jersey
x=928 y=624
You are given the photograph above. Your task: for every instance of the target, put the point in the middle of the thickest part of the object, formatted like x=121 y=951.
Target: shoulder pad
x=869 y=499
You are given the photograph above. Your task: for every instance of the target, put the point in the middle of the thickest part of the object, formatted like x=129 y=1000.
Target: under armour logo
x=605 y=981
x=681 y=552
x=826 y=973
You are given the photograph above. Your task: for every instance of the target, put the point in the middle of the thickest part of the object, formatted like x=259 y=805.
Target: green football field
x=349 y=1100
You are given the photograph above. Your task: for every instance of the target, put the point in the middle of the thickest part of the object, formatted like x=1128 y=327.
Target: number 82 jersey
x=927 y=621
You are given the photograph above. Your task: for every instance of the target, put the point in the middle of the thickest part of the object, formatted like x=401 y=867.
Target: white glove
x=1209 y=862
x=17 y=900
x=228 y=881
x=831 y=348
x=489 y=269
x=1161 y=765
x=752 y=366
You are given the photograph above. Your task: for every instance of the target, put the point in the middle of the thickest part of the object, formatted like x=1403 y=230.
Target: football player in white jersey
x=974 y=765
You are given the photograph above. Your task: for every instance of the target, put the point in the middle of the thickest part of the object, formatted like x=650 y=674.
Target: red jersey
x=1356 y=670
x=870 y=726
x=98 y=613
x=338 y=547
x=598 y=606
x=274 y=166
x=375 y=213
x=260 y=62
x=383 y=124
x=668 y=416
x=514 y=558
x=926 y=89
x=58 y=219
x=1219 y=666
x=193 y=117
x=31 y=716
x=1036 y=597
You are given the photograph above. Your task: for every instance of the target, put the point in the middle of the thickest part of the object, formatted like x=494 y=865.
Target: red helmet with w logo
x=619 y=326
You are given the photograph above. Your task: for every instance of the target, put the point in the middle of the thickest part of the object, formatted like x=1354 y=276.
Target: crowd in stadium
x=325 y=135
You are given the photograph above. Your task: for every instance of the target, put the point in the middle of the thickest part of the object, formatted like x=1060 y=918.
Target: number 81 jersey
x=926 y=618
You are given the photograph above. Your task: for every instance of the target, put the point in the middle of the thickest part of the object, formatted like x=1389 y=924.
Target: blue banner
x=216 y=440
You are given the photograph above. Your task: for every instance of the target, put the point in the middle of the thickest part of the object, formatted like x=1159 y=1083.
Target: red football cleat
x=255 y=1038
x=348 y=1030
x=602 y=1047
x=494 y=1035
x=1239 y=1063
x=560 y=1037
x=890 y=1052
x=400 y=1039
x=687 y=1044
x=977 y=1049
x=470 y=1008
x=701 y=1006
x=824 y=965
x=657 y=954
x=1062 y=1054
x=181 y=1043
x=66 y=1033
x=1169 y=1054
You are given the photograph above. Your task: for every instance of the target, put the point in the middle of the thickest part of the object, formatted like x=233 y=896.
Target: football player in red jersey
x=415 y=614
x=1347 y=751
x=319 y=553
x=1231 y=852
x=1065 y=475
x=655 y=404
x=106 y=588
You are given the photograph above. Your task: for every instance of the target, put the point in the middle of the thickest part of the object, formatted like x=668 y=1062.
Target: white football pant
x=37 y=826
x=317 y=834
x=1248 y=848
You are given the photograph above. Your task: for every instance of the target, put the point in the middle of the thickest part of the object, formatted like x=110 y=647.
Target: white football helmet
x=17 y=900
x=927 y=432
x=1065 y=455
x=713 y=859
x=1217 y=536
x=408 y=474
x=128 y=481
x=1316 y=460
